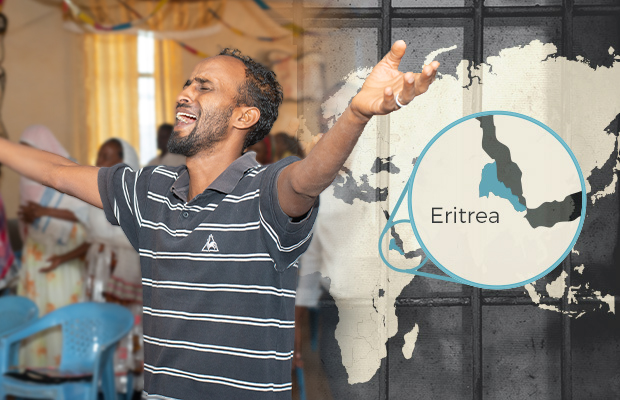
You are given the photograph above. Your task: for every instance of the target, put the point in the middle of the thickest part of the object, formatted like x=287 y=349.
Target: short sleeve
x=285 y=239
x=122 y=192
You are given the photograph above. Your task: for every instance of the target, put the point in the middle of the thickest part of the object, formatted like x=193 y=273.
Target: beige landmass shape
x=611 y=188
x=557 y=288
x=575 y=100
x=534 y=295
x=410 y=338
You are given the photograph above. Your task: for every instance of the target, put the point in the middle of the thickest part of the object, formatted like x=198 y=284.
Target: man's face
x=205 y=105
x=109 y=155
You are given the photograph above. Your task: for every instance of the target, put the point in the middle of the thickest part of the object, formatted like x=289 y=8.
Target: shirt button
x=185 y=214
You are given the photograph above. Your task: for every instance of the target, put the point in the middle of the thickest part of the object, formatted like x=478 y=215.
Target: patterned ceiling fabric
x=174 y=16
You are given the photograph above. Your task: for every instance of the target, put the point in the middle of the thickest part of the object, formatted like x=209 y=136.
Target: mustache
x=185 y=106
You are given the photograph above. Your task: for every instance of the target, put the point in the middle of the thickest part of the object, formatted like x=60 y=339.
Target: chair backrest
x=15 y=313
x=87 y=330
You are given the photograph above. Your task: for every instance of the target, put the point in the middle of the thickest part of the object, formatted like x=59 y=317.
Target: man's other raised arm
x=52 y=170
x=300 y=183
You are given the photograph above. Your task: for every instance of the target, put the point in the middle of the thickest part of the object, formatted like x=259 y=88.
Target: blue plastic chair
x=90 y=333
x=15 y=313
x=301 y=383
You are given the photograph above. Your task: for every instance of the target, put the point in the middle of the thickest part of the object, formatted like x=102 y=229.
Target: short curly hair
x=260 y=90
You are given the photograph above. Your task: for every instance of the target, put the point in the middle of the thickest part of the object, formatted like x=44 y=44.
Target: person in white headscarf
x=113 y=266
x=49 y=225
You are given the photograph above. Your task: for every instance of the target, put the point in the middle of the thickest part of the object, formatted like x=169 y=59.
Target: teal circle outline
x=583 y=199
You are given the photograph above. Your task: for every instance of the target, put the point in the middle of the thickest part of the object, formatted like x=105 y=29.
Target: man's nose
x=185 y=96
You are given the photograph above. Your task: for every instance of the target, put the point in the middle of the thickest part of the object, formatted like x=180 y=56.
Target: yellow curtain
x=111 y=84
x=168 y=79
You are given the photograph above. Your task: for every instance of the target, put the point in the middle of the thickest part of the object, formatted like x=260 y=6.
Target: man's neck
x=206 y=166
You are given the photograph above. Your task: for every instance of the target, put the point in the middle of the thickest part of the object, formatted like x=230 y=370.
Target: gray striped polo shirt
x=218 y=274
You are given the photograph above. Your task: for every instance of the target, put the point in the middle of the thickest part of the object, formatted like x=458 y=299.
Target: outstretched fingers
x=386 y=89
x=389 y=102
x=426 y=77
x=408 y=92
x=395 y=54
x=416 y=84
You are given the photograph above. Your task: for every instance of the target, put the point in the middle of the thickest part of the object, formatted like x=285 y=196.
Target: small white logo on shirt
x=210 y=246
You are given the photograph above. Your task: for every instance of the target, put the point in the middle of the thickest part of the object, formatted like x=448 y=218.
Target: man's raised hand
x=301 y=182
x=385 y=82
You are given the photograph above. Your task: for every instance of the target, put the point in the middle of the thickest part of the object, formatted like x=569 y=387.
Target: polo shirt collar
x=224 y=183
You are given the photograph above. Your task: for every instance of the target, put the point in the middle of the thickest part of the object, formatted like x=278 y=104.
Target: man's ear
x=246 y=118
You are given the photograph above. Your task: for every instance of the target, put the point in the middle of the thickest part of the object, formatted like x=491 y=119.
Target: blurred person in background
x=165 y=158
x=113 y=267
x=263 y=150
x=50 y=228
x=286 y=146
x=8 y=267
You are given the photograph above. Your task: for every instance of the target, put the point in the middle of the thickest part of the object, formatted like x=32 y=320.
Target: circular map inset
x=497 y=200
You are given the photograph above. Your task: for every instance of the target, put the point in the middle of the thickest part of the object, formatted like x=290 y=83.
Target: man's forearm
x=30 y=162
x=300 y=183
x=66 y=215
x=318 y=170
x=78 y=252
x=52 y=170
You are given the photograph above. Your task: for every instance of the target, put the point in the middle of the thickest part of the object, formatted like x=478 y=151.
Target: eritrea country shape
x=507 y=183
x=496 y=200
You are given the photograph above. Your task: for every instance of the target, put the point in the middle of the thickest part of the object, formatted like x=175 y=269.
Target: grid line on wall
x=476 y=295
x=566 y=385
x=385 y=45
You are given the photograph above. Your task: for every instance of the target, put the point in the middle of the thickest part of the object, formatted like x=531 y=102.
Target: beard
x=209 y=129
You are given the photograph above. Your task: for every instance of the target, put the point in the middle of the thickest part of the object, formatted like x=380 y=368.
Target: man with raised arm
x=219 y=238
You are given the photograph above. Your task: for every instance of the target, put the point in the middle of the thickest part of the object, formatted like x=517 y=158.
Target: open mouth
x=186 y=118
